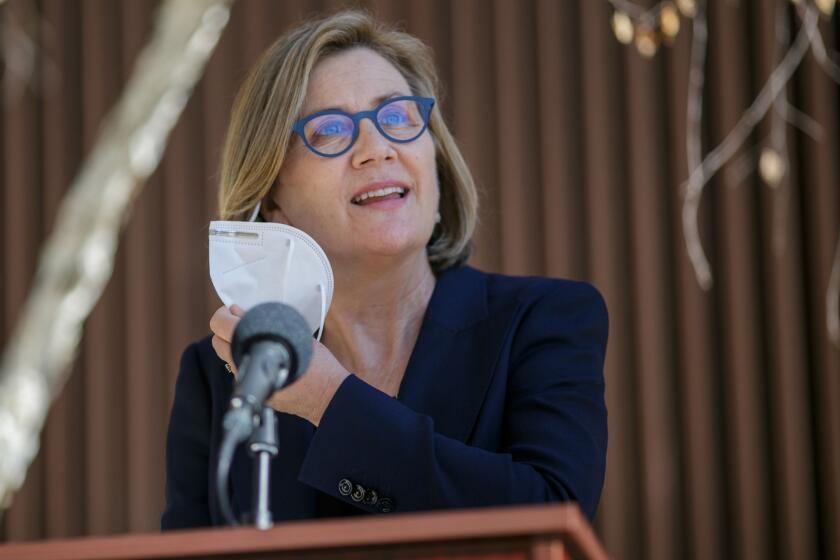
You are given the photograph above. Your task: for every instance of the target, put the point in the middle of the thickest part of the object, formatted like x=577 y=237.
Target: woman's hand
x=223 y=323
x=307 y=397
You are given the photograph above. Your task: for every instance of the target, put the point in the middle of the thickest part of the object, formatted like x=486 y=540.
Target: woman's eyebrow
x=374 y=102
x=388 y=95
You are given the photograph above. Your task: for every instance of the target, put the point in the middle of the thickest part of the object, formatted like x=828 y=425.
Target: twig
x=799 y=119
x=824 y=59
x=832 y=296
x=782 y=106
x=778 y=139
x=693 y=146
x=744 y=165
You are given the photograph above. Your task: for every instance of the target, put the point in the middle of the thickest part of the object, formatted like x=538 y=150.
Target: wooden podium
x=550 y=532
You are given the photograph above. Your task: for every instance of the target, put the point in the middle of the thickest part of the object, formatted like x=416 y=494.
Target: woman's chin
x=385 y=247
x=394 y=248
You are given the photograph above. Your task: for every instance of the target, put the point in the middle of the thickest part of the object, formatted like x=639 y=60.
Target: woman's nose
x=371 y=145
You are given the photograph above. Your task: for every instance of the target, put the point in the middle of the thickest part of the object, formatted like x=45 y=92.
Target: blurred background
x=724 y=404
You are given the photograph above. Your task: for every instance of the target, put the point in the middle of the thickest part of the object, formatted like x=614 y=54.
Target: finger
x=217 y=319
x=223 y=323
x=236 y=310
x=222 y=349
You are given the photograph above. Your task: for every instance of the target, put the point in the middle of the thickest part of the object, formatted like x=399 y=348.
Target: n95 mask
x=255 y=262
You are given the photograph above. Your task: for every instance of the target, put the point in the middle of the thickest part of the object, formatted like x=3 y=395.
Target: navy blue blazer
x=502 y=402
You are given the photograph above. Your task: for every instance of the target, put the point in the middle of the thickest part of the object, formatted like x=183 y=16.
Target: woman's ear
x=270 y=210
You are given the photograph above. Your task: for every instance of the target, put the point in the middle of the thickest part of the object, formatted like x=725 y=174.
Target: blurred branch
x=774 y=162
x=700 y=175
x=826 y=59
x=777 y=153
x=693 y=146
x=799 y=119
x=78 y=258
x=828 y=63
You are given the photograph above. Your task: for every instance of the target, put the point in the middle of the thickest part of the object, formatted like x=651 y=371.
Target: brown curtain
x=724 y=405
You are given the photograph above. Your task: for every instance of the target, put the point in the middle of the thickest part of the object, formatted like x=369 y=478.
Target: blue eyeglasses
x=331 y=133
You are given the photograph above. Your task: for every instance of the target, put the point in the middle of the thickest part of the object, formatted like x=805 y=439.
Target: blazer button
x=345 y=487
x=371 y=497
x=358 y=493
x=386 y=505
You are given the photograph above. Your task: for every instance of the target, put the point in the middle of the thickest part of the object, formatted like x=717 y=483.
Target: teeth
x=379 y=192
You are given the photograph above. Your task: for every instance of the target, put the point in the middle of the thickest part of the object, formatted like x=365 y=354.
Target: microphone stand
x=270 y=343
x=263 y=445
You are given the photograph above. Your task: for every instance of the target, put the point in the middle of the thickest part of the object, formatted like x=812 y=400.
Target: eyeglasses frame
x=426 y=104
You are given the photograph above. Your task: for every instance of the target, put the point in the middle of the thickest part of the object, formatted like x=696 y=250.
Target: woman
x=435 y=385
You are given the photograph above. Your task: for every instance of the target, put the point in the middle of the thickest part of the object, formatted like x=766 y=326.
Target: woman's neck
x=375 y=317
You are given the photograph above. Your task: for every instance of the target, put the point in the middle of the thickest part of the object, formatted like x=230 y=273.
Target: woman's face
x=320 y=195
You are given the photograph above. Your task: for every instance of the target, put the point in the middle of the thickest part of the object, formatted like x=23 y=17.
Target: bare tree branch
x=832 y=297
x=693 y=146
x=772 y=95
x=826 y=60
x=799 y=119
x=701 y=174
x=778 y=140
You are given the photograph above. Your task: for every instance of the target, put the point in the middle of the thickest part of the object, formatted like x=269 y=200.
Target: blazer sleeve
x=554 y=427
x=187 y=448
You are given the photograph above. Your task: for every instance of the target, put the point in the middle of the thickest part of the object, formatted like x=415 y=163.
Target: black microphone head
x=279 y=322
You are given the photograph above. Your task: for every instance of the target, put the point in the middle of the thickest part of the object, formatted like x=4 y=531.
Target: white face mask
x=255 y=262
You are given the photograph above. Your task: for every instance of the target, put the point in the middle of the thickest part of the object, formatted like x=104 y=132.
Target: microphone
x=271 y=347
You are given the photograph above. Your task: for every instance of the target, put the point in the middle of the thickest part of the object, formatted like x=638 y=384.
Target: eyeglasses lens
x=401 y=120
x=329 y=134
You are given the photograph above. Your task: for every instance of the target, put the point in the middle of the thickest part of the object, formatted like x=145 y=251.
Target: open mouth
x=378 y=195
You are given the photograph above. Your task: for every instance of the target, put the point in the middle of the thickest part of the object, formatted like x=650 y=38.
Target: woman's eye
x=331 y=129
x=392 y=118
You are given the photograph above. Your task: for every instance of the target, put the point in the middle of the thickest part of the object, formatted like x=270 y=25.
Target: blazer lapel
x=455 y=355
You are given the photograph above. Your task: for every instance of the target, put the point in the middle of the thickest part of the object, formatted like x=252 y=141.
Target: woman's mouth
x=379 y=195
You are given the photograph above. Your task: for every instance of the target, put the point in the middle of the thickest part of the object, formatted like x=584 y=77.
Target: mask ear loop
x=323 y=293
x=289 y=254
x=255 y=212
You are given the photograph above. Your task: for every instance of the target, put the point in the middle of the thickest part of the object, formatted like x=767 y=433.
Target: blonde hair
x=272 y=96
